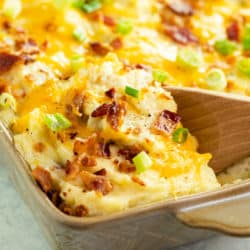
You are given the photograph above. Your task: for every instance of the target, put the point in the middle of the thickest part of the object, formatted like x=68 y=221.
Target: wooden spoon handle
x=220 y=122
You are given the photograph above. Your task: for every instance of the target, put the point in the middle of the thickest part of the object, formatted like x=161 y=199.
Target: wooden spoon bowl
x=220 y=122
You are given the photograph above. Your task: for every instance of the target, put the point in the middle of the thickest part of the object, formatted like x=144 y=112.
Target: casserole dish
x=148 y=226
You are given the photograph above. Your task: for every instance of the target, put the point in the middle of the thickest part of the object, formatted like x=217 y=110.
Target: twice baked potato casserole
x=83 y=89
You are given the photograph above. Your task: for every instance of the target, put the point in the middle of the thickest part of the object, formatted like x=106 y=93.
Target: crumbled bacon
x=130 y=152
x=88 y=161
x=6 y=25
x=2 y=87
x=73 y=168
x=233 y=31
x=181 y=8
x=102 y=172
x=142 y=66
x=109 y=21
x=27 y=47
x=96 y=182
x=138 y=180
x=99 y=49
x=101 y=110
x=43 y=178
x=93 y=146
x=7 y=61
x=116 y=43
x=115 y=114
x=167 y=121
x=126 y=167
x=54 y=196
x=81 y=211
x=180 y=35
x=39 y=147
x=110 y=93
x=78 y=101
x=66 y=209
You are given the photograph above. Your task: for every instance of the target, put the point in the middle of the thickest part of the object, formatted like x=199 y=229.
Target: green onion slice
x=216 y=80
x=79 y=34
x=7 y=101
x=142 y=162
x=57 y=122
x=12 y=8
x=180 y=135
x=243 y=66
x=159 y=75
x=246 y=38
x=124 y=26
x=77 y=62
x=132 y=91
x=188 y=58
x=88 y=6
x=225 y=47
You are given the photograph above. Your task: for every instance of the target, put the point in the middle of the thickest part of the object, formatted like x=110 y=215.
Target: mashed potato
x=82 y=87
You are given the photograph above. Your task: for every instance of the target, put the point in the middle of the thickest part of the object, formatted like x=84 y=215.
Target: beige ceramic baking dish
x=153 y=226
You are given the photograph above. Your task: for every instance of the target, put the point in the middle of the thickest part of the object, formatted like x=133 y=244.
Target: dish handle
x=228 y=212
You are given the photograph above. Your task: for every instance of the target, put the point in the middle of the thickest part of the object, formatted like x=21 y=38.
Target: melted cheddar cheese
x=77 y=61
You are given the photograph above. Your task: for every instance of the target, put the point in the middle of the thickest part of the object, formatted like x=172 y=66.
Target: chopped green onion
x=246 y=38
x=142 y=162
x=12 y=8
x=188 y=58
x=159 y=75
x=77 y=62
x=7 y=101
x=56 y=122
x=180 y=135
x=243 y=66
x=124 y=26
x=225 y=47
x=88 y=6
x=62 y=4
x=79 y=34
x=132 y=91
x=216 y=80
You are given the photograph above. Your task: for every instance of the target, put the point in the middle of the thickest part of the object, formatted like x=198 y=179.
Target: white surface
x=18 y=230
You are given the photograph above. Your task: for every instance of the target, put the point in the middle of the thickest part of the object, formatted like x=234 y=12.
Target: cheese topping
x=82 y=87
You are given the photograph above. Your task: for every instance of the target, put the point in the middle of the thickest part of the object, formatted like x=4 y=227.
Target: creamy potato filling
x=83 y=88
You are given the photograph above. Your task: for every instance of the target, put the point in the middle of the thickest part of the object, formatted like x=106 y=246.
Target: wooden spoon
x=220 y=122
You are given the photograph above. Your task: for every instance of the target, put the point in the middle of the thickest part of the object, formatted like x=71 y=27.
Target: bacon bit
x=39 y=147
x=73 y=169
x=88 y=161
x=73 y=135
x=138 y=180
x=99 y=49
x=115 y=114
x=109 y=21
x=143 y=67
x=66 y=209
x=117 y=43
x=126 y=167
x=102 y=172
x=181 y=8
x=110 y=93
x=96 y=182
x=7 y=61
x=6 y=25
x=2 y=87
x=167 y=121
x=180 y=35
x=54 y=196
x=81 y=211
x=101 y=110
x=28 y=47
x=233 y=31
x=43 y=178
x=92 y=146
x=78 y=101
x=130 y=152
